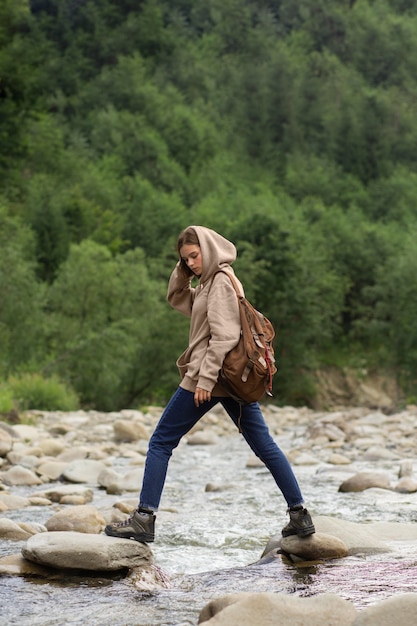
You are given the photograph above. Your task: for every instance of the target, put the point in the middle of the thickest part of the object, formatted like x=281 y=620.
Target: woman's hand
x=201 y=395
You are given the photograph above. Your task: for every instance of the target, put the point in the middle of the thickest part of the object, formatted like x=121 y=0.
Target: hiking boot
x=300 y=523
x=139 y=526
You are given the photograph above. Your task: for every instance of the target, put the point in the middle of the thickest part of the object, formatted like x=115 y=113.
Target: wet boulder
x=82 y=519
x=313 y=548
x=267 y=609
x=365 y=480
x=400 y=609
x=72 y=550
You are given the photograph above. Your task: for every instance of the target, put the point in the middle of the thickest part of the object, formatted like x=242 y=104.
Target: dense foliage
x=290 y=127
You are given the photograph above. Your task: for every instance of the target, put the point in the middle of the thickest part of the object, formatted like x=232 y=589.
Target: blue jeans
x=181 y=414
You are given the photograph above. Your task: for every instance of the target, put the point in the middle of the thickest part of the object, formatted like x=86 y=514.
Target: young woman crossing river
x=212 y=307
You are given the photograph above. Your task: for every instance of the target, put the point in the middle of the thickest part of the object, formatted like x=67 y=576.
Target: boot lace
x=125 y=522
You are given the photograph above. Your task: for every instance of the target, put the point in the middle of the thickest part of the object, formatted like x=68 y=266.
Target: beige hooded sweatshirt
x=214 y=311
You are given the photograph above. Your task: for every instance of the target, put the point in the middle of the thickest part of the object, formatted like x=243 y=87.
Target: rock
x=401 y=609
x=357 y=538
x=148 y=578
x=202 y=439
x=35 y=501
x=270 y=609
x=83 y=471
x=365 y=480
x=378 y=453
x=73 y=454
x=127 y=430
x=407 y=484
x=55 y=494
x=51 y=470
x=51 y=446
x=30 y=461
x=314 y=548
x=255 y=462
x=26 y=432
x=338 y=459
x=132 y=480
x=73 y=499
x=16 y=565
x=210 y=487
x=19 y=475
x=6 y=442
x=72 y=550
x=109 y=477
x=14 y=502
x=82 y=519
x=303 y=458
x=406 y=468
x=12 y=531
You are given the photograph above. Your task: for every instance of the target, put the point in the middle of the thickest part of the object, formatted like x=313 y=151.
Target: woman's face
x=191 y=255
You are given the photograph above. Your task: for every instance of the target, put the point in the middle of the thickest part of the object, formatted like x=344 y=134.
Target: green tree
x=103 y=317
x=21 y=298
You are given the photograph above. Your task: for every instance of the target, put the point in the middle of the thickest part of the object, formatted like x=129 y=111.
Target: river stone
x=19 y=475
x=83 y=471
x=365 y=480
x=73 y=499
x=73 y=454
x=55 y=494
x=6 y=442
x=26 y=432
x=82 y=519
x=201 y=438
x=51 y=447
x=149 y=578
x=401 y=609
x=132 y=480
x=338 y=459
x=109 y=477
x=406 y=468
x=379 y=453
x=36 y=501
x=16 y=565
x=12 y=531
x=72 y=550
x=51 y=470
x=407 y=484
x=270 y=609
x=128 y=431
x=315 y=547
x=358 y=538
x=14 y=502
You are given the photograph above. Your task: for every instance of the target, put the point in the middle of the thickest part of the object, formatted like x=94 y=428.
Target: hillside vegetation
x=289 y=127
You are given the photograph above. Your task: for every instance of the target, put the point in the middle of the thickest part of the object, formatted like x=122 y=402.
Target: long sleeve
x=224 y=323
x=180 y=293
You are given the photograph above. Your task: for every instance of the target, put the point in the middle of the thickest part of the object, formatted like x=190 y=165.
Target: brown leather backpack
x=248 y=368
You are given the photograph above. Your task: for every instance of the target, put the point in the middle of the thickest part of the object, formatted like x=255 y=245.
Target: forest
x=290 y=126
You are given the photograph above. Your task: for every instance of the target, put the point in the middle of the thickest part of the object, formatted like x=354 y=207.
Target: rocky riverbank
x=62 y=462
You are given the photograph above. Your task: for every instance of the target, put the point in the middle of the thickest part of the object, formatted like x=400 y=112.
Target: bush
x=6 y=400
x=32 y=391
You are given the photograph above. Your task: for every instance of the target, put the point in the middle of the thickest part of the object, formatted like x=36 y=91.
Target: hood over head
x=216 y=251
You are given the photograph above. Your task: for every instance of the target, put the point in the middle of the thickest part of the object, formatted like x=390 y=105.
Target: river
x=209 y=543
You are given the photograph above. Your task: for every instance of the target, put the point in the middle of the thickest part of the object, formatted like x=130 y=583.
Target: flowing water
x=209 y=543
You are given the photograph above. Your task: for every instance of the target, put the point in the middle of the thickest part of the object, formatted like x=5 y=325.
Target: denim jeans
x=181 y=414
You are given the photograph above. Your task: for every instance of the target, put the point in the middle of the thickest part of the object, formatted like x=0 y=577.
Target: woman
x=214 y=330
